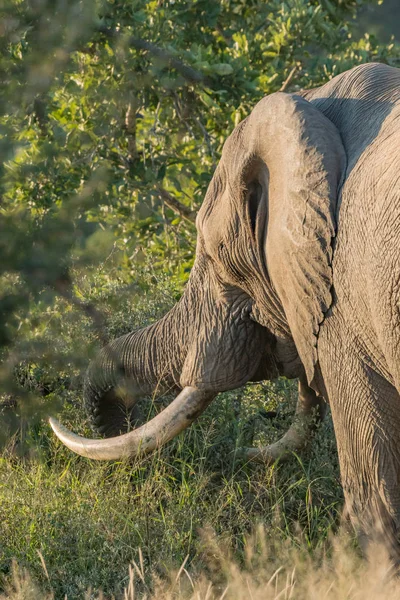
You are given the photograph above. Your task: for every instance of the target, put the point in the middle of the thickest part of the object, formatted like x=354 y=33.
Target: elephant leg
x=310 y=410
x=366 y=416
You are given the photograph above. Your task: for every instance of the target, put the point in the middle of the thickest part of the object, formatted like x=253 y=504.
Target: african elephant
x=297 y=273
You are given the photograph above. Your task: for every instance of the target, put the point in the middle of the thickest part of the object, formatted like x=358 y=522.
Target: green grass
x=88 y=521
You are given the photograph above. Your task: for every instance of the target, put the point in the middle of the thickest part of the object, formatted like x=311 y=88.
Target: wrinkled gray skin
x=297 y=273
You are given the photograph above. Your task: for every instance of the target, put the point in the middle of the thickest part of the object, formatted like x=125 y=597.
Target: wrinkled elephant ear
x=303 y=154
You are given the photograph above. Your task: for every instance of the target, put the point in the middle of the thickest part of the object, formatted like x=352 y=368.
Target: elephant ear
x=305 y=159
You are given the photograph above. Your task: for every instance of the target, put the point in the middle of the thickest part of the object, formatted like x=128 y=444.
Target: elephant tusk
x=294 y=440
x=310 y=410
x=176 y=417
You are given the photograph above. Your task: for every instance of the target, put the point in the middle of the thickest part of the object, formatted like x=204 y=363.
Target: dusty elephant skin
x=297 y=273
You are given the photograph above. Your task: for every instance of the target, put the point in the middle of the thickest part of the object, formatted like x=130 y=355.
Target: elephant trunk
x=135 y=364
x=141 y=363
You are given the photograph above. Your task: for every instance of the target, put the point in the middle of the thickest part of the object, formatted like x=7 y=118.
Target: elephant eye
x=253 y=199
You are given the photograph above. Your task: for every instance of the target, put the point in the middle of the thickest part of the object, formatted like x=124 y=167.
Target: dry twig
x=288 y=80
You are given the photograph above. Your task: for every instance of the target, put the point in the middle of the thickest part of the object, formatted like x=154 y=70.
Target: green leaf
x=222 y=69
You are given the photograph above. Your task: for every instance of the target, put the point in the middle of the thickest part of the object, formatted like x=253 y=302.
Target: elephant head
x=258 y=290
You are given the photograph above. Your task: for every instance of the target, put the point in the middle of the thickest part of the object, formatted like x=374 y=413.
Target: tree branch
x=130 y=125
x=288 y=80
x=40 y=116
x=174 y=204
x=189 y=73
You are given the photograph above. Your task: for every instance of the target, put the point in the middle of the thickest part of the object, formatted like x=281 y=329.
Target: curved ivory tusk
x=292 y=441
x=310 y=410
x=181 y=413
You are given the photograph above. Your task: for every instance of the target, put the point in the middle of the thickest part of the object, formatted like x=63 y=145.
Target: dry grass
x=268 y=574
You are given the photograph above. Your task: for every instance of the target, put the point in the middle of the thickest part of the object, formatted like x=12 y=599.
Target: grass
x=87 y=522
x=267 y=572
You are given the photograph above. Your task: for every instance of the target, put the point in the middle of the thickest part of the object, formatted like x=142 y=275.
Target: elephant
x=296 y=274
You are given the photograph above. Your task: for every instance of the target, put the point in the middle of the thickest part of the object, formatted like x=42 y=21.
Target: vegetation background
x=112 y=119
